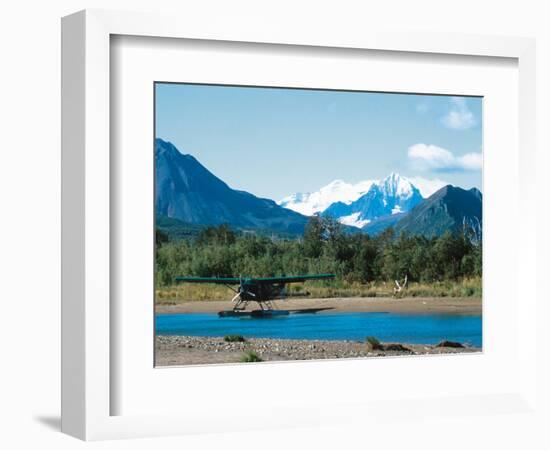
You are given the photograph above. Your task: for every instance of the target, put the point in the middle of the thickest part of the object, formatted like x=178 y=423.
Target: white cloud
x=472 y=161
x=426 y=186
x=431 y=157
x=459 y=117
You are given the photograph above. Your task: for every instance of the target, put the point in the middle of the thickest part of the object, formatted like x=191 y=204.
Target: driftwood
x=400 y=287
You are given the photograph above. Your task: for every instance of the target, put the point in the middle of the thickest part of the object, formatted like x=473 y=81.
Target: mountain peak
x=188 y=191
x=337 y=191
x=363 y=201
x=334 y=186
x=165 y=150
x=394 y=185
x=391 y=196
x=450 y=208
x=335 y=183
x=476 y=192
x=162 y=146
x=393 y=176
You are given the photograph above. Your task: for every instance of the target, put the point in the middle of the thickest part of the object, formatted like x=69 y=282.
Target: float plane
x=260 y=290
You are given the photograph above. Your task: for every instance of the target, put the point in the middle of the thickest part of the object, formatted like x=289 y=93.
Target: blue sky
x=274 y=142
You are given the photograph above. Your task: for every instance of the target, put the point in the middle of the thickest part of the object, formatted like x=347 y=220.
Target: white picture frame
x=88 y=320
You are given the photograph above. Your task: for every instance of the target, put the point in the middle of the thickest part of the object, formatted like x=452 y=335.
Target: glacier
x=311 y=203
x=358 y=204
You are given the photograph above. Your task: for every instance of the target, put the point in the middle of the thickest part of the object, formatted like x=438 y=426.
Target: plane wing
x=266 y=280
x=208 y=280
x=292 y=279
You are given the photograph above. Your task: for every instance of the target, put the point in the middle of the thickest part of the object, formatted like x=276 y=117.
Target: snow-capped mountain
x=392 y=195
x=310 y=203
x=357 y=204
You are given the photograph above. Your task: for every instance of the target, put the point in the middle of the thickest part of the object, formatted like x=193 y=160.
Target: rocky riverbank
x=188 y=350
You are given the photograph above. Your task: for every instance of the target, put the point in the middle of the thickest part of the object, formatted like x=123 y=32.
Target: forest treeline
x=324 y=248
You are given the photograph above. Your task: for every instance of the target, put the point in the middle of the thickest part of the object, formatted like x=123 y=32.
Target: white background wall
x=30 y=198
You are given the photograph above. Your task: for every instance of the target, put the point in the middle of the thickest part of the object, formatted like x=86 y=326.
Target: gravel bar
x=191 y=350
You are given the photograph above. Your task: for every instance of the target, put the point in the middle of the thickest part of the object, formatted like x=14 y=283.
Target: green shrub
x=365 y=266
x=468 y=291
x=374 y=343
x=251 y=357
x=234 y=338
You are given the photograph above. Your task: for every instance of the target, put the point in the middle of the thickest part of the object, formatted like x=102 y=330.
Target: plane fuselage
x=251 y=291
